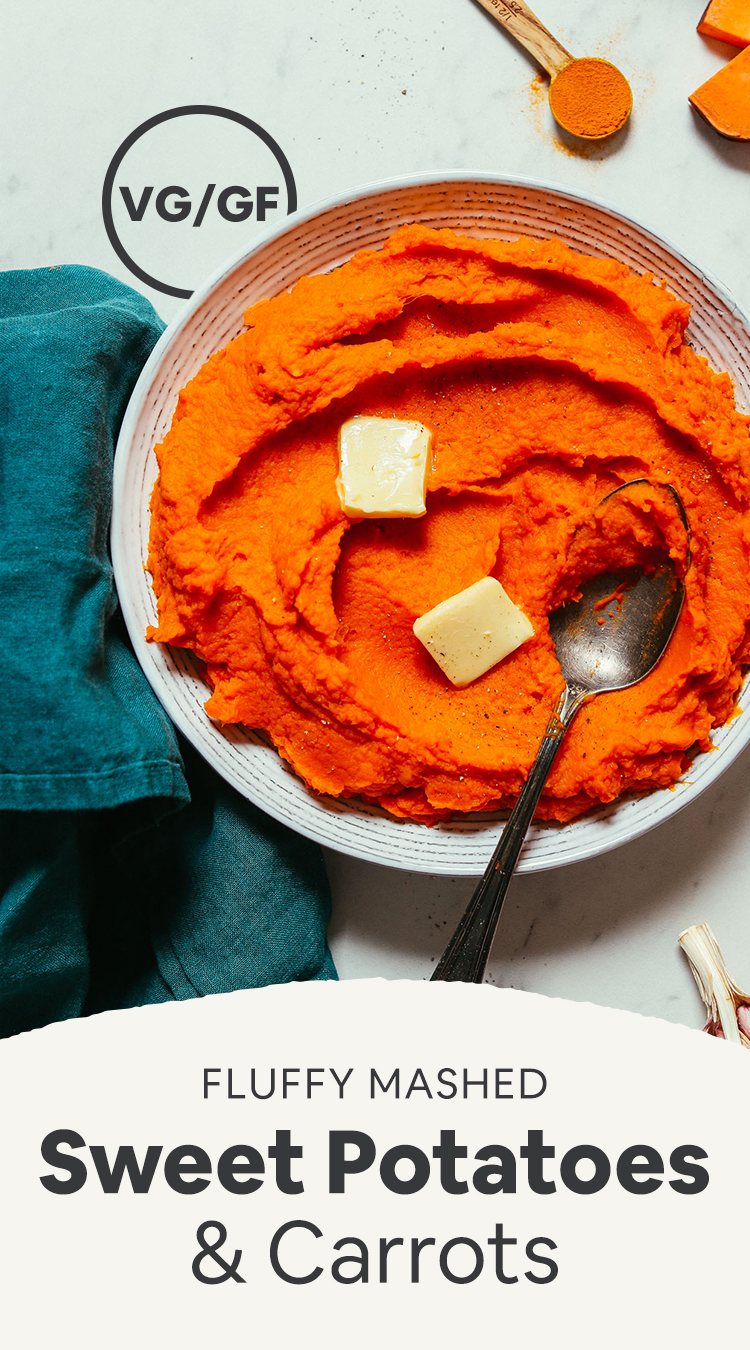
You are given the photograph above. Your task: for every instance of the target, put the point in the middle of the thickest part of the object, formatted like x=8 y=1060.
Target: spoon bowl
x=590 y=98
x=615 y=634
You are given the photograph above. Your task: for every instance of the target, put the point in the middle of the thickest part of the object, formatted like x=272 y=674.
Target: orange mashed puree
x=547 y=378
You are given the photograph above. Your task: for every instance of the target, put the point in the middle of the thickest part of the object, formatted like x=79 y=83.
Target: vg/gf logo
x=180 y=185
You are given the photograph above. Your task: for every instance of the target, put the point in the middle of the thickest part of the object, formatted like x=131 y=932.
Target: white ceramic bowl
x=321 y=239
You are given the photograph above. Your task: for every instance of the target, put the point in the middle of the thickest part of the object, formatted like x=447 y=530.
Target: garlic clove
x=727 y=1007
x=743 y=1020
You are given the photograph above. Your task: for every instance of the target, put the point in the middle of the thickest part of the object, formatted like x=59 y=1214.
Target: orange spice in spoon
x=588 y=97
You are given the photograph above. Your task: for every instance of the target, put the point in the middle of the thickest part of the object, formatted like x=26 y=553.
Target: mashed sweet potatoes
x=547 y=378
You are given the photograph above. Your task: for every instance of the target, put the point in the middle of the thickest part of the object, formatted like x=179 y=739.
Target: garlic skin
x=727 y=1007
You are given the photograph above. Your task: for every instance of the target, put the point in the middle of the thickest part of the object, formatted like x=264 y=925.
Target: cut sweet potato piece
x=724 y=100
x=727 y=21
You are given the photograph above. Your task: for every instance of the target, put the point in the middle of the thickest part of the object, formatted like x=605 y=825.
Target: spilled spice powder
x=590 y=98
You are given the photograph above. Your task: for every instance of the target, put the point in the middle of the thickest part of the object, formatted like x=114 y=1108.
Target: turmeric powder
x=590 y=98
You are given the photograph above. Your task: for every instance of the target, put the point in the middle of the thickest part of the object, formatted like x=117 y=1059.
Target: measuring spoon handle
x=467 y=953
x=526 y=29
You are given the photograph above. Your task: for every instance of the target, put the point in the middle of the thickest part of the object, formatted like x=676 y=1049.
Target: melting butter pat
x=383 y=467
x=472 y=631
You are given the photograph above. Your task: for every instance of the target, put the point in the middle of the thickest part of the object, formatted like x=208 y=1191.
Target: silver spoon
x=595 y=658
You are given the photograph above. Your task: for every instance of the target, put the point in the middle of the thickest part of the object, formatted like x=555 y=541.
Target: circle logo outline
x=205 y=109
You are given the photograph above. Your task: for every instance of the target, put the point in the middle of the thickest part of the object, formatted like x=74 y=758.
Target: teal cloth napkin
x=129 y=872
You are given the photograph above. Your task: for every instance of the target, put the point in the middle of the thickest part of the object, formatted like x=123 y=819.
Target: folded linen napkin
x=129 y=872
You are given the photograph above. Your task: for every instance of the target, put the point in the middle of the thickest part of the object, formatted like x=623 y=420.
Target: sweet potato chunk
x=724 y=100
x=727 y=21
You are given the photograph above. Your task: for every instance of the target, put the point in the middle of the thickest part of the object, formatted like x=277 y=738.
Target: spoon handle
x=526 y=29
x=468 y=951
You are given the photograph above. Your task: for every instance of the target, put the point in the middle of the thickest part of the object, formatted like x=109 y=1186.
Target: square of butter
x=383 y=467
x=472 y=631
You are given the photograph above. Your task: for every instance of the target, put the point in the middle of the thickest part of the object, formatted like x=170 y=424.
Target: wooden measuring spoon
x=588 y=97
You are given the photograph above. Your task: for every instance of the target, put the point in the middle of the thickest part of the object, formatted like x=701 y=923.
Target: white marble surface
x=355 y=93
